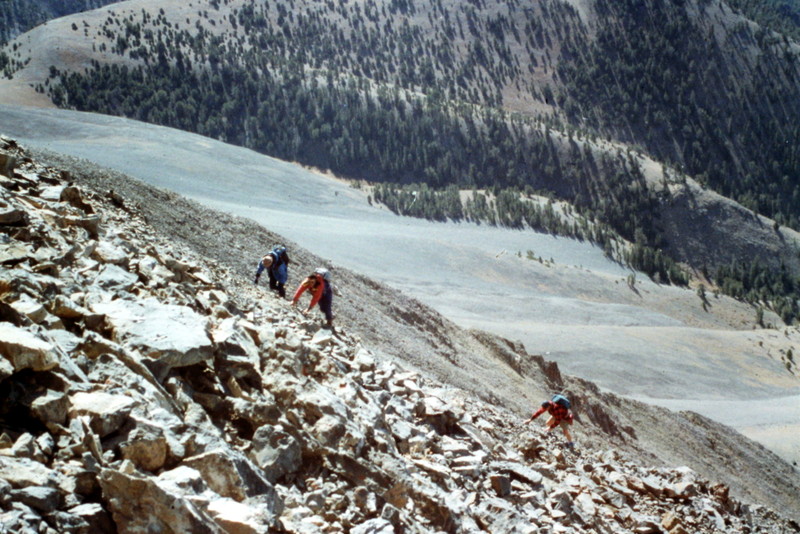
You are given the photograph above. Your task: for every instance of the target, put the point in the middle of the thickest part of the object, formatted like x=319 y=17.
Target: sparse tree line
x=754 y=282
x=6 y=65
x=512 y=209
x=253 y=88
x=782 y=16
x=18 y=16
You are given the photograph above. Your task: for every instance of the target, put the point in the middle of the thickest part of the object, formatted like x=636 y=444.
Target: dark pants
x=274 y=285
x=326 y=303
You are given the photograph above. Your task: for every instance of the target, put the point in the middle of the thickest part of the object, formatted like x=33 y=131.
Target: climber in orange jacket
x=321 y=293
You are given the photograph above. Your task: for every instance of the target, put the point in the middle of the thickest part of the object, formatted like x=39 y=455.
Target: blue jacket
x=278 y=270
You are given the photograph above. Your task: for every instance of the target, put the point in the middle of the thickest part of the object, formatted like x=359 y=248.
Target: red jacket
x=558 y=412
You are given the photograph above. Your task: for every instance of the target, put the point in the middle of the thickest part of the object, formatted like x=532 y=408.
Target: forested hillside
x=728 y=120
x=17 y=16
x=778 y=15
x=513 y=97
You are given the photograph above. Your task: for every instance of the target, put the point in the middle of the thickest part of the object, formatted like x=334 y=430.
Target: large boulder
x=41 y=498
x=106 y=412
x=145 y=446
x=51 y=407
x=23 y=350
x=114 y=278
x=238 y=518
x=174 y=336
x=95 y=517
x=24 y=472
x=230 y=474
x=144 y=504
x=276 y=452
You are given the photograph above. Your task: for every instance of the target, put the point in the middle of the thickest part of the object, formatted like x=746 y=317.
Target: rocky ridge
x=139 y=396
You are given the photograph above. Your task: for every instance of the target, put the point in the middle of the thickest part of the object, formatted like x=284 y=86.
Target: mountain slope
x=348 y=96
x=399 y=328
x=19 y=16
x=660 y=344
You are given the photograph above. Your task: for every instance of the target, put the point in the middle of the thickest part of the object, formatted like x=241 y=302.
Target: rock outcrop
x=136 y=395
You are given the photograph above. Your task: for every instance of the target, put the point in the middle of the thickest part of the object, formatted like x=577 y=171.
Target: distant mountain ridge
x=552 y=97
x=19 y=16
x=149 y=386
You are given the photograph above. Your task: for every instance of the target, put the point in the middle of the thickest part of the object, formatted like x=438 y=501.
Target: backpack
x=279 y=253
x=324 y=273
x=562 y=400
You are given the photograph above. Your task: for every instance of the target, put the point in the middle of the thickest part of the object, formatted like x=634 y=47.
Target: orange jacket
x=306 y=284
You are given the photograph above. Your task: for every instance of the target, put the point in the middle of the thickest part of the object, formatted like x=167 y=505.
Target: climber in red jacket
x=560 y=415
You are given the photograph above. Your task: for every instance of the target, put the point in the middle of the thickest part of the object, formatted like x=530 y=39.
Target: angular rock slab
x=106 y=412
x=140 y=504
x=174 y=335
x=238 y=518
x=24 y=472
x=229 y=474
x=23 y=350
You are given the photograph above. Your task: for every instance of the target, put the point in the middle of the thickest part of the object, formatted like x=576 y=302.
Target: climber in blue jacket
x=276 y=263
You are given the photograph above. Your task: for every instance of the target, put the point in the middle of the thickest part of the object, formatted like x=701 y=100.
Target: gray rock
x=519 y=471
x=143 y=504
x=95 y=517
x=66 y=308
x=276 y=452
x=106 y=412
x=146 y=446
x=41 y=498
x=647 y=525
x=91 y=223
x=46 y=444
x=24 y=350
x=25 y=447
x=681 y=490
x=52 y=193
x=51 y=407
x=66 y=523
x=32 y=309
x=106 y=252
x=23 y=472
x=239 y=518
x=230 y=474
x=116 y=279
x=374 y=526
x=153 y=273
x=173 y=335
x=233 y=339
x=14 y=252
x=80 y=480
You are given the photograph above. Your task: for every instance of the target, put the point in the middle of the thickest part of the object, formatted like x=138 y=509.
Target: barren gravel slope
x=497 y=370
